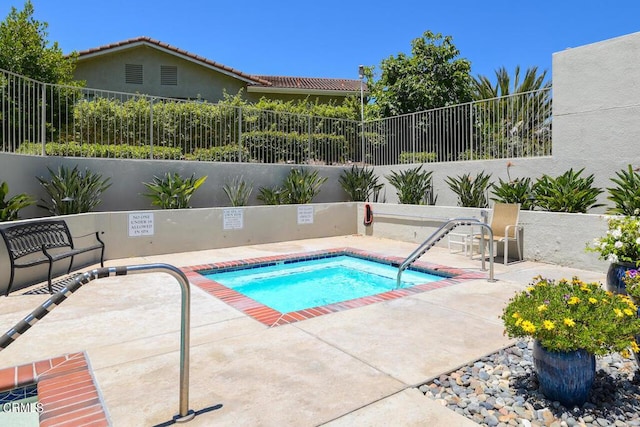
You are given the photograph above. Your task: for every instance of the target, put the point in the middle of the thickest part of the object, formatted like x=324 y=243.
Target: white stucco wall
x=184 y=230
x=596 y=106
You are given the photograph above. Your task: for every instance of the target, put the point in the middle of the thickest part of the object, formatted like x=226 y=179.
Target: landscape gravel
x=502 y=390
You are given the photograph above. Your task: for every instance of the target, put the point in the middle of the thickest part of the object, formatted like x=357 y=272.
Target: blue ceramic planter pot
x=614 y=277
x=564 y=376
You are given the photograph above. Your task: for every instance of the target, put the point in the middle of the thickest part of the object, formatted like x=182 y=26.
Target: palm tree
x=513 y=115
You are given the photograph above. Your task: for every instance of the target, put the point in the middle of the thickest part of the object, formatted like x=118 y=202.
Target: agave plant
x=173 y=191
x=626 y=194
x=271 y=196
x=413 y=186
x=301 y=186
x=568 y=192
x=472 y=192
x=72 y=191
x=514 y=191
x=9 y=209
x=238 y=191
x=361 y=184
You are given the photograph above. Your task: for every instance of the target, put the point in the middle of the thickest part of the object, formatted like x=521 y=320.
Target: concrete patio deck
x=355 y=367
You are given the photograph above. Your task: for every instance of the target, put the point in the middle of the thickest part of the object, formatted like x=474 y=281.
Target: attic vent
x=133 y=74
x=168 y=75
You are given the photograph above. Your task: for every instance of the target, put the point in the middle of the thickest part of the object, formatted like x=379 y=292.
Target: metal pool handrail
x=184 y=414
x=438 y=235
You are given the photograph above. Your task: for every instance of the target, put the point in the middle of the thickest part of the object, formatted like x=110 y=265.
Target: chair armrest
x=509 y=227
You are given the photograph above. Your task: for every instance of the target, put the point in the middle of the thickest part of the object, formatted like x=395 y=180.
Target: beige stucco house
x=147 y=66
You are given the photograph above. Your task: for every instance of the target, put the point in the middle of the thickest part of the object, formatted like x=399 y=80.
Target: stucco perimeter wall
x=556 y=238
x=187 y=230
x=127 y=177
x=596 y=106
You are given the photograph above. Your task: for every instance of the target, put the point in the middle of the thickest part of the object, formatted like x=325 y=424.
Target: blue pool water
x=297 y=285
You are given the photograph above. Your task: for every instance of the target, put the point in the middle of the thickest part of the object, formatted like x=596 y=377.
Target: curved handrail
x=438 y=235
x=80 y=279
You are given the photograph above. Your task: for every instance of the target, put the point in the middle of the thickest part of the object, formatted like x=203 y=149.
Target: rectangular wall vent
x=133 y=74
x=168 y=75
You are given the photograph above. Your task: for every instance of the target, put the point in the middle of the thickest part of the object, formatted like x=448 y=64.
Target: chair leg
x=506 y=250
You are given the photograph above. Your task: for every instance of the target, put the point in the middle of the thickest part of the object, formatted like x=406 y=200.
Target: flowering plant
x=631 y=281
x=622 y=241
x=573 y=315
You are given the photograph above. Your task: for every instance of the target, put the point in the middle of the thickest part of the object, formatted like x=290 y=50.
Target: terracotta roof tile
x=317 y=83
x=284 y=82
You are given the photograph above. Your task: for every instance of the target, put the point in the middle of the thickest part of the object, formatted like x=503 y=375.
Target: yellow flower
x=625 y=353
x=528 y=326
x=592 y=300
x=548 y=325
x=519 y=321
x=531 y=289
x=542 y=307
x=634 y=346
x=516 y=315
x=569 y=322
x=574 y=300
x=628 y=312
x=618 y=312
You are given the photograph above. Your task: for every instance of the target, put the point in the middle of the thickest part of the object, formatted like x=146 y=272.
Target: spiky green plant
x=413 y=186
x=271 y=196
x=514 y=191
x=568 y=192
x=9 y=209
x=301 y=186
x=173 y=191
x=72 y=191
x=361 y=184
x=626 y=194
x=238 y=191
x=472 y=192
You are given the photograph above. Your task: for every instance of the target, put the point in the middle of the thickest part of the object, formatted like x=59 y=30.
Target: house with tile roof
x=148 y=66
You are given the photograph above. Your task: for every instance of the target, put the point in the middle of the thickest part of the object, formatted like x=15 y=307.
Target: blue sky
x=331 y=38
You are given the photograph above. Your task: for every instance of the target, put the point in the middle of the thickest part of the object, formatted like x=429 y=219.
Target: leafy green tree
x=25 y=50
x=431 y=77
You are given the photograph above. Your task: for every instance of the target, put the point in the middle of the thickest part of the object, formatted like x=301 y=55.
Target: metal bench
x=43 y=242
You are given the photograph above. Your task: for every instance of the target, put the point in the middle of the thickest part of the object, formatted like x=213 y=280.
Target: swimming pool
x=294 y=285
x=201 y=276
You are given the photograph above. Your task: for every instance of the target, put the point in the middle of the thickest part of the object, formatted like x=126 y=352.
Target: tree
x=513 y=116
x=431 y=77
x=504 y=85
x=25 y=50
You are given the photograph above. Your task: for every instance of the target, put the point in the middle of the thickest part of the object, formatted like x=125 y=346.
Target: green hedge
x=418 y=157
x=226 y=153
x=73 y=149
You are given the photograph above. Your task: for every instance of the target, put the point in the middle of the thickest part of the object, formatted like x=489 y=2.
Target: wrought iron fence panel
x=45 y=119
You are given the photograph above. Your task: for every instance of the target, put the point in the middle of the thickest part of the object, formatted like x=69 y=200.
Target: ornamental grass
x=572 y=315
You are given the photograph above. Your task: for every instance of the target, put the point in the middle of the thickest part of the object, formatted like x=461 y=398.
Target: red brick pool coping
x=66 y=389
x=272 y=318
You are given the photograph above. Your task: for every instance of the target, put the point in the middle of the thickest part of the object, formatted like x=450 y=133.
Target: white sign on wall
x=140 y=224
x=305 y=214
x=233 y=219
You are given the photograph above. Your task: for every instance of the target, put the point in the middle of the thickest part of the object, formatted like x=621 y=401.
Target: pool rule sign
x=141 y=224
x=305 y=214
